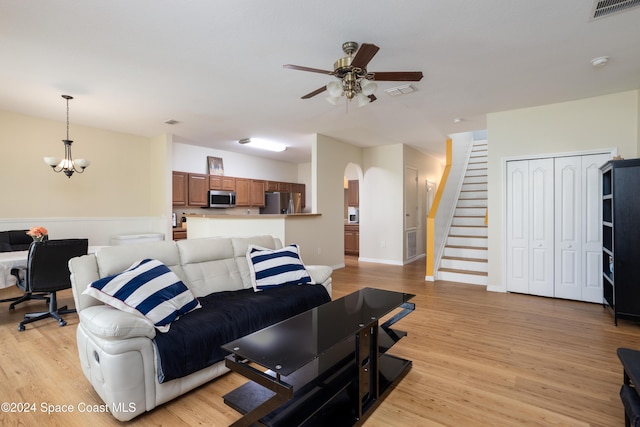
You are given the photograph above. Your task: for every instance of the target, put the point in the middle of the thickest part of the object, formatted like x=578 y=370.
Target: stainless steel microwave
x=222 y=199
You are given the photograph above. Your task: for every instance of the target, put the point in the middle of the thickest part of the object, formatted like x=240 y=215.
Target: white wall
x=382 y=205
x=610 y=121
x=192 y=158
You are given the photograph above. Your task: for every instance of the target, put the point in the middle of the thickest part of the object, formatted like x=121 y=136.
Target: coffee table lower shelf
x=330 y=399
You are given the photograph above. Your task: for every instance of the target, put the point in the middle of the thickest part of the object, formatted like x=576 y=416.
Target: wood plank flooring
x=479 y=359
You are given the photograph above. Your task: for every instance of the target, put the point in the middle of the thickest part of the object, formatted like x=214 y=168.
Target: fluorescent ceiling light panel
x=263 y=144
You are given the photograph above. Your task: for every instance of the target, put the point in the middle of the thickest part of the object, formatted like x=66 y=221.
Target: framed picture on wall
x=215 y=165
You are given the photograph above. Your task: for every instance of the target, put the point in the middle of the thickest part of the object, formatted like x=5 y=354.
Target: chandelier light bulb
x=368 y=87
x=362 y=99
x=335 y=89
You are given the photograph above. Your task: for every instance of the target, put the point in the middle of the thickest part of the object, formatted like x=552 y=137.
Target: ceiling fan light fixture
x=362 y=99
x=368 y=87
x=335 y=89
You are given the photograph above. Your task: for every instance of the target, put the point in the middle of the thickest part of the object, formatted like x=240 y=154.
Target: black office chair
x=48 y=271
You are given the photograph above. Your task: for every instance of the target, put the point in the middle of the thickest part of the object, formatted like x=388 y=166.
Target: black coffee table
x=326 y=366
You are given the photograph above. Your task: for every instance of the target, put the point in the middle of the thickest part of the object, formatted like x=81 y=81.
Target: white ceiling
x=216 y=66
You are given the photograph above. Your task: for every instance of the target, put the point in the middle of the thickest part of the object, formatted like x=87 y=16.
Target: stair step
x=455 y=258
x=471 y=203
x=479 y=194
x=478 y=179
x=479 y=242
x=477 y=166
x=469 y=230
x=462 y=277
x=464 y=252
x=475 y=172
x=475 y=273
x=470 y=211
x=468 y=220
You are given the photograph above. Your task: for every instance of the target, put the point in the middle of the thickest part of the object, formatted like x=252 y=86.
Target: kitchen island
x=300 y=228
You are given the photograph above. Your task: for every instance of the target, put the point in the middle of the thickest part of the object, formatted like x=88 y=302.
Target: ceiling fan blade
x=372 y=98
x=398 y=76
x=313 y=70
x=366 y=52
x=314 y=93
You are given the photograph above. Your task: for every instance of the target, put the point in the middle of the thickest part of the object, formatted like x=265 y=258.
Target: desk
x=8 y=260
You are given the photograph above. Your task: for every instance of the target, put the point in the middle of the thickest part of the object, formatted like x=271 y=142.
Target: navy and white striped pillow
x=272 y=268
x=148 y=287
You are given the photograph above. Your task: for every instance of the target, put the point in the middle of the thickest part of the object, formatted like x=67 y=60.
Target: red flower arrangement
x=37 y=233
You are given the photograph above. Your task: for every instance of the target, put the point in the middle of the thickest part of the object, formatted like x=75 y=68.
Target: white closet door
x=541 y=174
x=518 y=226
x=568 y=219
x=530 y=227
x=592 y=227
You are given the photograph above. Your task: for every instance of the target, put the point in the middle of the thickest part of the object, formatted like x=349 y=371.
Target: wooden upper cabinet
x=257 y=193
x=242 y=191
x=198 y=189
x=300 y=188
x=353 y=193
x=180 y=189
x=271 y=186
x=250 y=192
x=284 y=187
x=219 y=182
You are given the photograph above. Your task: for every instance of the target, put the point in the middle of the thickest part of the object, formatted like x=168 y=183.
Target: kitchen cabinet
x=353 y=193
x=180 y=189
x=250 y=192
x=352 y=239
x=179 y=234
x=198 y=189
x=219 y=182
x=300 y=188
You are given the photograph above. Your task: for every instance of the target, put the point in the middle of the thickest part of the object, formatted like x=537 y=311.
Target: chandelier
x=353 y=82
x=67 y=165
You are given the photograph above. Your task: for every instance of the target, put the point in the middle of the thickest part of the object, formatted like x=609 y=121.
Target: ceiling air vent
x=602 y=8
x=403 y=90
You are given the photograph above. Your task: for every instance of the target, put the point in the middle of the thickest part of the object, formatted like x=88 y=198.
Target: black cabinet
x=621 y=237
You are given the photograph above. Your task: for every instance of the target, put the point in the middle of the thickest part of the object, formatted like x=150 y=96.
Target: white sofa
x=116 y=350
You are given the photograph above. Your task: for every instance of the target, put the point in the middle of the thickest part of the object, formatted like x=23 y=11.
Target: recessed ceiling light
x=457 y=120
x=600 y=61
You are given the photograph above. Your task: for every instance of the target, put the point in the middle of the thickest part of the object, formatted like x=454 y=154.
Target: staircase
x=465 y=253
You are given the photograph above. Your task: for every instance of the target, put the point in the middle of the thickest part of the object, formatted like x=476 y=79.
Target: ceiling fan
x=354 y=79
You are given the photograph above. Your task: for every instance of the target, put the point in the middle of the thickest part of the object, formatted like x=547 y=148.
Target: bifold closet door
x=578 y=231
x=530 y=227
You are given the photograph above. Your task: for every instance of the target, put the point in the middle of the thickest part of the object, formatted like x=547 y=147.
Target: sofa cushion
x=148 y=287
x=272 y=268
x=194 y=340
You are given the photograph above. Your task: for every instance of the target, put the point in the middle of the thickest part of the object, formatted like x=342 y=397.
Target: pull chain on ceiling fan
x=354 y=79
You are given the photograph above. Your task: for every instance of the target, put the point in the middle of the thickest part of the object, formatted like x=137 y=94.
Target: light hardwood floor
x=479 y=359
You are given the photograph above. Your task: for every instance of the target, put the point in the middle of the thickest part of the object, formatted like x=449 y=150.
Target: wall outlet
x=319 y=250
x=383 y=244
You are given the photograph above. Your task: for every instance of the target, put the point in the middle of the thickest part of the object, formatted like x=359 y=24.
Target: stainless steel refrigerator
x=282 y=203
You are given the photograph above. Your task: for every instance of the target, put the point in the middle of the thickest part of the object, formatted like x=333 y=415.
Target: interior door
x=592 y=220
x=568 y=238
x=517 y=226
x=410 y=198
x=540 y=224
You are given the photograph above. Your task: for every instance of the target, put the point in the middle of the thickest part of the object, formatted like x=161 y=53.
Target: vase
x=38 y=238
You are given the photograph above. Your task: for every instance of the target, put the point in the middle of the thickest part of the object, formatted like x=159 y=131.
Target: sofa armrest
x=110 y=323
x=319 y=273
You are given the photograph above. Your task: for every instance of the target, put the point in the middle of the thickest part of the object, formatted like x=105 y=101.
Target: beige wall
x=329 y=158
x=599 y=123
x=125 y=182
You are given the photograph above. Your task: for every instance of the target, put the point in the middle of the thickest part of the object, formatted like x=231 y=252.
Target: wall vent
x=411 y=244
x=602 y=8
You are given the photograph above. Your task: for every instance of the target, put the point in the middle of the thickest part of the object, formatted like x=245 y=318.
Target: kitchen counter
x=299 y=228
x=251 y=216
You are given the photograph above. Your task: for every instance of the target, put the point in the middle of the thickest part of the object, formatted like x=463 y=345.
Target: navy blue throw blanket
x=194 y=340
